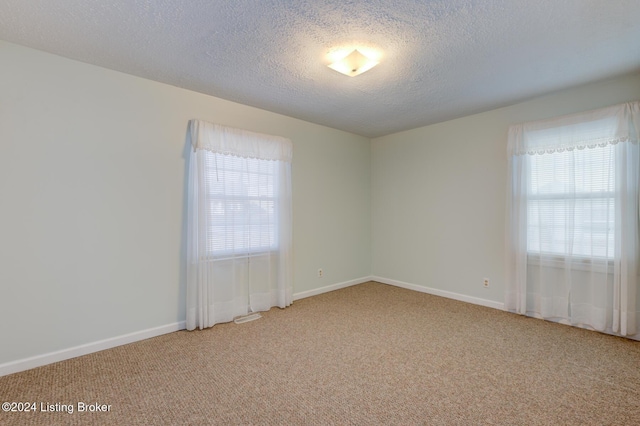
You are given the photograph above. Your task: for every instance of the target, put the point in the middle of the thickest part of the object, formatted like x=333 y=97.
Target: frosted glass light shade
x=355 y=63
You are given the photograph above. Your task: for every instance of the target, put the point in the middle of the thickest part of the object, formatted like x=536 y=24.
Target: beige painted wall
x=92 y=193
x=438 y=192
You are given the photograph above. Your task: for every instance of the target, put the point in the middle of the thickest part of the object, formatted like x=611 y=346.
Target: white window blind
x=571 y=208
x=242 y=204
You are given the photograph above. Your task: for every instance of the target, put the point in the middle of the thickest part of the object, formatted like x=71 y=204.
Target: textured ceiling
x=441 y=59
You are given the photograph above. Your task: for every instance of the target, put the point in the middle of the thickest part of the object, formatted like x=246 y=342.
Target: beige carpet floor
x=370 y=354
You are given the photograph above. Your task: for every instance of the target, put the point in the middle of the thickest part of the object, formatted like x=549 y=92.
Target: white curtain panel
x=573 y=211
x=239 y=224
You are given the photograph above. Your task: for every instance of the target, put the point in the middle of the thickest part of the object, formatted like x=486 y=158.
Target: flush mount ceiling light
x=355 y=63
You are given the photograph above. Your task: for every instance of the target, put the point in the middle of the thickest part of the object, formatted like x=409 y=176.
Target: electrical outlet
x=320 y=273
x=485 y=283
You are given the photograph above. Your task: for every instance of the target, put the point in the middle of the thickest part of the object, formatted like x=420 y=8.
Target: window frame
x=216 y=170
x=554 y=258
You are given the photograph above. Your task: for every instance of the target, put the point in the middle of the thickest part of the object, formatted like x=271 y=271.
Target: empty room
x=330 y=212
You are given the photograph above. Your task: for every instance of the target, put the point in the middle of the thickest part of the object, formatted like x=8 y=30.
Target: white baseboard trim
x=332 y=287
x=442 y=293
x=61 y=355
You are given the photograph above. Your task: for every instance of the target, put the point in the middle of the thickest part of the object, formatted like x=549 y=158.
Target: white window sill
x=580 y=263
x=222 y=256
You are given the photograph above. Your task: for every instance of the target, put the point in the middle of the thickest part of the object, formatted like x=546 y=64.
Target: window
x=239 y=220
x=242 y=205
x=571 y=207
x=573 y=203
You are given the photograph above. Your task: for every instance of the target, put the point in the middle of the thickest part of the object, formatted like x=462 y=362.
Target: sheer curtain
x=239 y=224
x=573 y=212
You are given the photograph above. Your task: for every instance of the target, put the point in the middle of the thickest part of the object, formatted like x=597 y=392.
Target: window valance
x=240 y=143
x=601 y=127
